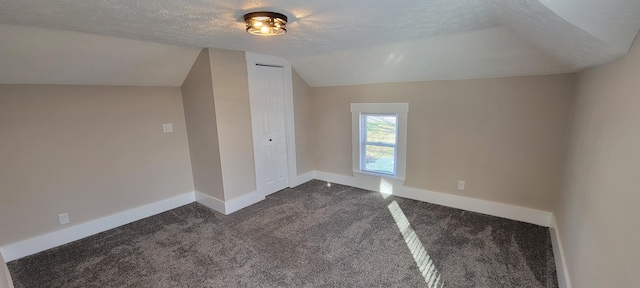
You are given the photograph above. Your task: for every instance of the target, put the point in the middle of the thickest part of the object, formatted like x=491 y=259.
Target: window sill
x=378 y=175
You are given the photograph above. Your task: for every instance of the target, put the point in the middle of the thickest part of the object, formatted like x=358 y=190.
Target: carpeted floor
x=309 y=236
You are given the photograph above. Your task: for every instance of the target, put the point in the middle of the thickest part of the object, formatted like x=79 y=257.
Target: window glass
x=380 y=159
x=381 y=128
x=378 y=143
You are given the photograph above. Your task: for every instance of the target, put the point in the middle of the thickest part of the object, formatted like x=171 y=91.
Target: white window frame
x=357 y=112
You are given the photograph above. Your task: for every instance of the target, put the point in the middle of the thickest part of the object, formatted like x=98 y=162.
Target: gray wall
x=506 y=137
x=91 y=151
x=303 y=124
x=200 y=116
x=233 y=118
x=597 y=212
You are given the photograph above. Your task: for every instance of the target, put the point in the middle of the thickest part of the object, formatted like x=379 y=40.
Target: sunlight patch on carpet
x=386 y=188
x=419 y=253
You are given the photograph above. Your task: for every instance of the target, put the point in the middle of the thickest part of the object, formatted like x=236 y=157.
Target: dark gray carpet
x=309 y=236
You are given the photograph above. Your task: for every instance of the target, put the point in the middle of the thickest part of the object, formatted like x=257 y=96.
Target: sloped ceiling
x=31 y=55
x=330 y=42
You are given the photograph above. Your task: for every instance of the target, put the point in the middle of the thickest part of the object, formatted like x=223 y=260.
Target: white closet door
x=269 y=131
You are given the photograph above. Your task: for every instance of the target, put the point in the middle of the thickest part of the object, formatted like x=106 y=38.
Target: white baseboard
x=54 y=239
x=246 y=200
x=301 y=179
x=40 y=243
x=5 y=276
x=513 y=212
x=210 y=201
x=385 y=186
x=558 y=255
x=231 y=205
x=47 y=241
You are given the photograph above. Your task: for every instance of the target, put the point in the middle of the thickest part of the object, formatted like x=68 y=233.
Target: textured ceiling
x=337 y=42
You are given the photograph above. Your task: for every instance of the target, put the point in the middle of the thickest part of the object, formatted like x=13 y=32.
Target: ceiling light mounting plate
x=264 y=23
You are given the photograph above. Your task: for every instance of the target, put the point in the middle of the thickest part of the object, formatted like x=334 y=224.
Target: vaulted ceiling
x=330 y=42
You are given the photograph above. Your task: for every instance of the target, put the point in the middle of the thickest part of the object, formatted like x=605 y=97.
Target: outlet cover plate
x=167 y=127
x=63 y=218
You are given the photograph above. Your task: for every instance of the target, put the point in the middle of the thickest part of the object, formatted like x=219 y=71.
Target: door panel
x=269 y=136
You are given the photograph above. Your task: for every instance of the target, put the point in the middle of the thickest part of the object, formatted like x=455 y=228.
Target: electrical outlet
x=63 y=218
x=167 y=127
x=461 y=185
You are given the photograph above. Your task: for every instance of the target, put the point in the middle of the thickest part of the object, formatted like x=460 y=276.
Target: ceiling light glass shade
x=266 y=23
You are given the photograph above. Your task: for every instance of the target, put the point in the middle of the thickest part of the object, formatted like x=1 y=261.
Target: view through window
x=379 y=137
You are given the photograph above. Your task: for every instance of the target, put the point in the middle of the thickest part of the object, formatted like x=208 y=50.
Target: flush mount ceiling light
x=266 y=23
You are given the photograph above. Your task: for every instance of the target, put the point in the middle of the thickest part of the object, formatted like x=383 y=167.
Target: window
x=379 y=139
